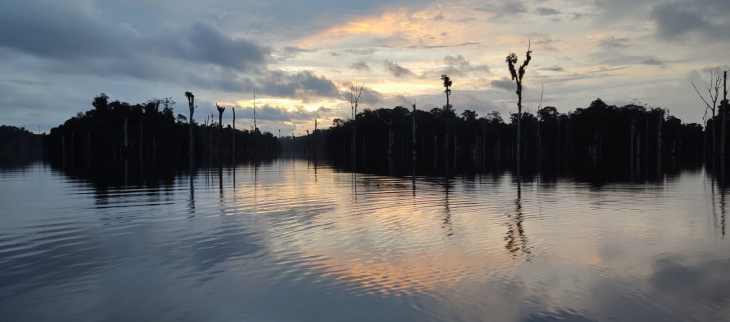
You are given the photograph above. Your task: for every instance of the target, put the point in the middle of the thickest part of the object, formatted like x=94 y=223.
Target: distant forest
x=597 y=133
x=114 y=130
x=635 y=135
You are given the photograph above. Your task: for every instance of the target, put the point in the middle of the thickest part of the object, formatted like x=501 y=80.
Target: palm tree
x=447 y=85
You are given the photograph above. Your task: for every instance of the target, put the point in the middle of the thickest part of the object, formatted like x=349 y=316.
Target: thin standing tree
x=389 y=123
x=723 y=110
x=354 y=99
x=233 y=134
x=713 y=91
x=413 y=117
x=191 y=105
x=220 y=109
x=517 y=75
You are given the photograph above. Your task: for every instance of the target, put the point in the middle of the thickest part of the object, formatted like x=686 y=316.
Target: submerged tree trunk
x=723 y=110
x=233 y=134
x=413 y=116
x=631 y=143
x=659 y=143
x=126 y=144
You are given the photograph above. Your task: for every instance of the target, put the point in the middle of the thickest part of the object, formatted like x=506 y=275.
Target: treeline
x=17 y=143
x=115 y=130
x=634 y=134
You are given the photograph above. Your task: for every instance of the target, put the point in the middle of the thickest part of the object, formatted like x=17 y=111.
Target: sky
x=301 y=56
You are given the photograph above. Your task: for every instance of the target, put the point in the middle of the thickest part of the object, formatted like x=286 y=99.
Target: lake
x=285 y=241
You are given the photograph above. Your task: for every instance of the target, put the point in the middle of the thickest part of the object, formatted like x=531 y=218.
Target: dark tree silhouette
x=191 y=106
x=517 y=76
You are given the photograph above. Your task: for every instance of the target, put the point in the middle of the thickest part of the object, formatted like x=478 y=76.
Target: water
x=286 y=243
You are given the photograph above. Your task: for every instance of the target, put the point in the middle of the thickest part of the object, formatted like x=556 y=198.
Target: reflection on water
x=293 y=240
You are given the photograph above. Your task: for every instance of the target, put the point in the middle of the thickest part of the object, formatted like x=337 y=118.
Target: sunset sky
x=299 y=56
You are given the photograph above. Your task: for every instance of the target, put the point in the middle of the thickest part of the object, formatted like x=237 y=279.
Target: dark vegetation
x=599 y=133
x=636 y=136
x=115 y=130
x=18 y=144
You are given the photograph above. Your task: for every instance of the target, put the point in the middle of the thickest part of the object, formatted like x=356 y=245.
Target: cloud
x=543 y=11
x=304 y=85
x=634 y=60
x=290 y=52
x=278 y=113
x=554 y=68
x=544 y=42
x=504 y=84
x=506 y=8
x=396 y=70
x=613 y=43
x=681 y=19
x=71 y=35
x=360 y=65
x=360 y=52
x=457 y=66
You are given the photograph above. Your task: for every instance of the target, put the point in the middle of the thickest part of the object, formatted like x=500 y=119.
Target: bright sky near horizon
x=299 y=55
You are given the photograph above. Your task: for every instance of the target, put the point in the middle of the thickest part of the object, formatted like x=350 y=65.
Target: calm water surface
x=279 y=242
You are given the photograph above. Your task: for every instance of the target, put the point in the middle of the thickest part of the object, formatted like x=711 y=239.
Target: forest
x=115 y=130
x=635 y=135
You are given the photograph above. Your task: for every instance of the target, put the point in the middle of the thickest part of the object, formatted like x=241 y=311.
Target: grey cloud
x=72 y=35
x=504 y=83
x=507 y=8
x=613 y=43
x=679 y=19
x=544 y=42
x=290 y=52
x=276 y=113
x=460 y=66
x=53 y=30
x=554 y=68
x=368 y=96
x=634 y=60
x=303 y=85
x=360 y=66
x=367 y=51
x=543 y=11
x=396 y=70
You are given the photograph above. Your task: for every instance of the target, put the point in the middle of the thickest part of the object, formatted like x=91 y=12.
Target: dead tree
x=220 y=125
x=191 y=105
x=354 y=99
x=233 y=134
x=413 y=117
x=389 y=123
x=539 y=136
x=723 y=110
x=713 y=91
x=517 y=75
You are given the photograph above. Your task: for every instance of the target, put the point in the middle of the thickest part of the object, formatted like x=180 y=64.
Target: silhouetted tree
x=191 y=106
x=517 y=76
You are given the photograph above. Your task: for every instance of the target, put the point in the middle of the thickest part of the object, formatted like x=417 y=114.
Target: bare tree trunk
x=233 y=134
x=220 y=131
x=413 y=116
x=390 y=139
x=446 y=139
x=723 y=110
x=191 y=106
x=126 y=144
x=557 y=157
x=631 y=143
x=519 y=124
x=659 y=143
